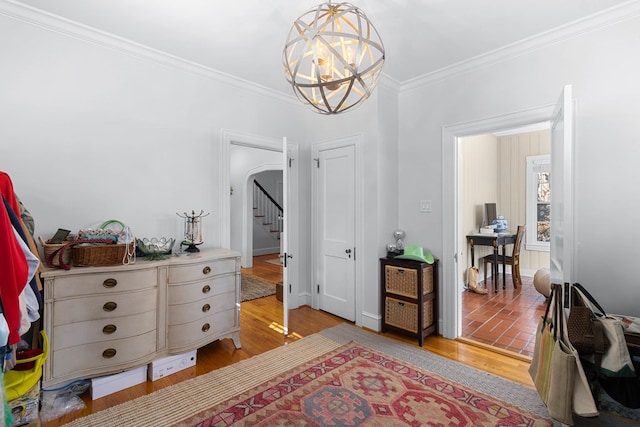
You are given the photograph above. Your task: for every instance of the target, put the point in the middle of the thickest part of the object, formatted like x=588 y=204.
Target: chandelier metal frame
x=333 y=57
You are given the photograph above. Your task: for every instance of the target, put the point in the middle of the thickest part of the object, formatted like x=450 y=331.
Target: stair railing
x=267 y=210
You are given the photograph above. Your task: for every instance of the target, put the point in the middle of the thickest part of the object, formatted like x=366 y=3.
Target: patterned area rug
x=355 y=385
x=209 y=394
x=253 y=287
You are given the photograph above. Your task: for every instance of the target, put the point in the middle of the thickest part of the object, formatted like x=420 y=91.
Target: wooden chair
x=513 y=260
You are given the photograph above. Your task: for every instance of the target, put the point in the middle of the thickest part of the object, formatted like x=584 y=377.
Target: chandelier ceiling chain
x=333 y=57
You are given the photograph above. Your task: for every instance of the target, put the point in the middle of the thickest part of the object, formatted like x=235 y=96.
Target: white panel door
x=336 y=222
x=561 y=267
x=284 y=237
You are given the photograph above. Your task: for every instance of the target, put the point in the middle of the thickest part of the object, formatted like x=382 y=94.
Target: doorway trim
x=357 y=143
x=451 y=135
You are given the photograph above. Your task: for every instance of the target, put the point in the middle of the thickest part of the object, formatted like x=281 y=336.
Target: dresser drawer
x=75 y=334
x=202 y=270
x=190 y=292
x=76 y=360
x=209 y=327
x=103 y=306
x=185 y=313
x=104 y=283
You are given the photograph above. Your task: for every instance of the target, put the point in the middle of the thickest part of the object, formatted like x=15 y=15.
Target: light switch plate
x=425 y=206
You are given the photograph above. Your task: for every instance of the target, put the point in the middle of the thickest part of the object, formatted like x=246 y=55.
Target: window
x=538 y=203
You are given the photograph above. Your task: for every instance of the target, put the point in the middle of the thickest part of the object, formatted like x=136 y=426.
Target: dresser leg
x=236 y=339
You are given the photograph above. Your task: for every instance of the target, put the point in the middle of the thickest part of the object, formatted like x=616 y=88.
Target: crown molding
x=603 y=19
x=47 y=21
x=389 y=83
x=39 y=18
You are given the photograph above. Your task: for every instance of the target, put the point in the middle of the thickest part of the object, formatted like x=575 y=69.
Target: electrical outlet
x=425 y=206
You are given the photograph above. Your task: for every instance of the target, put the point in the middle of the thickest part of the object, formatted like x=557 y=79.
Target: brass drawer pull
x=109 y=353
x=206 y=270
x=206 y=289
x=206 y=308
x=109 y=329
x=110 y=283
x=205 y=327
x=109 y=306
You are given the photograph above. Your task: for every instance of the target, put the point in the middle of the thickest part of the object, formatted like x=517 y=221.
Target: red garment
x=14 y=271
x=6 y=189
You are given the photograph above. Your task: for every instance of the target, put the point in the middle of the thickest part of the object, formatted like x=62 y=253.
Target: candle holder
x=192 y=230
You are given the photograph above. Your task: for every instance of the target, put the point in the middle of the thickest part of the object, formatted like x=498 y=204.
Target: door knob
x=348 y=251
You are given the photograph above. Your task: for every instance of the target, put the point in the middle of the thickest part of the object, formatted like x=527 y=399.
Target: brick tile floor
x=505 y=319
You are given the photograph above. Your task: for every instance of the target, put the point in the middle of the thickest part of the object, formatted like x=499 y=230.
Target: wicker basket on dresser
x=409 y=302
x=102 y=320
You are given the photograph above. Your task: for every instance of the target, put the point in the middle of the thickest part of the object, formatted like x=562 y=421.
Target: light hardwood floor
x=260 y=322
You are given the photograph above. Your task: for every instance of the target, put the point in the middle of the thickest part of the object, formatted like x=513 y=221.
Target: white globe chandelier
x=333 y=57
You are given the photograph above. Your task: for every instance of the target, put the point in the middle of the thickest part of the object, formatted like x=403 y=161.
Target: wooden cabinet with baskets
x=107 y=319
x=409 y=297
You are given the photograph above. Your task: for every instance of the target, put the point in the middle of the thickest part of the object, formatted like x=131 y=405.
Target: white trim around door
x=451 y=252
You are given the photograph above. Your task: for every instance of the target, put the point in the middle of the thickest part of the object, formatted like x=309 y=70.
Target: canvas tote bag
x=554 y=366
x=583 y=402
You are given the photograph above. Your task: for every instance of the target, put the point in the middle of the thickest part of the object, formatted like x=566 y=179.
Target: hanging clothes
x=14 y=277
x=31 y=259
x=29 y=306
x=6 y=190
x=4 y=335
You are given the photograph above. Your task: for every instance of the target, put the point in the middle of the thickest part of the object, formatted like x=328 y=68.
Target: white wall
x=602 y=67
x=90 y=132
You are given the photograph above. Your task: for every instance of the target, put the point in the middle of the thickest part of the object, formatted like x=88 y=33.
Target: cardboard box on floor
x=108 y=384
x=164 y=366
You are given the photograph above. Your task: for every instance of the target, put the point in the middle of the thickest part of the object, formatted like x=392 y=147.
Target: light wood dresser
x=102 y=320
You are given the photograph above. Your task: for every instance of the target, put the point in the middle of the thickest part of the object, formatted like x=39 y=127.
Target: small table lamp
x=192 y=230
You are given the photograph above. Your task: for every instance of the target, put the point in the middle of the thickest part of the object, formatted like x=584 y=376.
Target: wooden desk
x=495 y=240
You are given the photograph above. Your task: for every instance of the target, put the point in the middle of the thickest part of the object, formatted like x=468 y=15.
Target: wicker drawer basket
x=403 y=314
x=403 y=281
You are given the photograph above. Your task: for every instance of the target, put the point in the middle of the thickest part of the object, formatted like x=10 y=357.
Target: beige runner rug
x=170 y=405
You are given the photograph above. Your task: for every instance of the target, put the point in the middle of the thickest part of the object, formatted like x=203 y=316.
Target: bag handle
x=600 y=345
x=550 y=301
x=560 y=321
x=112 y=221
x=589 y=297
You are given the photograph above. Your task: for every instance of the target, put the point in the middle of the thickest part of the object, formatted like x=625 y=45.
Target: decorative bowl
x=156 y=248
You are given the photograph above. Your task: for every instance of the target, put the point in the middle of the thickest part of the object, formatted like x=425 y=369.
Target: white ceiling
x=245 y=38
